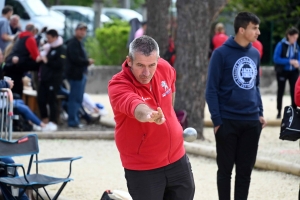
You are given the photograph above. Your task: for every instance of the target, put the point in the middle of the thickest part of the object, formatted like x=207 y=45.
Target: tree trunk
x=157 y=21
x=194 y=19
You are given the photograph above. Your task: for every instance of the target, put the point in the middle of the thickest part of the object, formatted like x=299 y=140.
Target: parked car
x=76 y=14
x=122 y=14
x=34 y=11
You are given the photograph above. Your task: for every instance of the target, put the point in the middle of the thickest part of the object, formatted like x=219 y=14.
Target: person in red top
x=297 y=93
x=258 y=45
x=147 y=134
x=23 y=57
x=220 y=37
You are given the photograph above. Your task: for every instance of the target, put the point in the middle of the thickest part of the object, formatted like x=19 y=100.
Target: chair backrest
x=6 y=107
x=26 y=145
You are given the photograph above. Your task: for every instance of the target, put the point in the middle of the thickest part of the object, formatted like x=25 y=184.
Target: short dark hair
x=144 y=45
x=52 y=32
x=243 y=19
x=7 y=9
x=30 y=27
x=291 y=31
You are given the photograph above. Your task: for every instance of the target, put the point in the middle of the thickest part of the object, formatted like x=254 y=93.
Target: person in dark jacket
x=77 y=63
x=23 y=57
x=287 y=58
x=234 y=101
x=51 y=73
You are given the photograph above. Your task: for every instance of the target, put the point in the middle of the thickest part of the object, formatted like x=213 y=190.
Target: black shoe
x=278 y=116
x=77 y=126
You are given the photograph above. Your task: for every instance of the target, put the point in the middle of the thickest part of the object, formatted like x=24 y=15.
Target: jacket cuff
x=217 y=121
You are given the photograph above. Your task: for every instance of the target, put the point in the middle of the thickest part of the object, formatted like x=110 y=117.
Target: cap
x=81 y=25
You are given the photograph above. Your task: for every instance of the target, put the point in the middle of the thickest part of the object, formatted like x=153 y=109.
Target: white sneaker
x=36 y=127
x=50 y=127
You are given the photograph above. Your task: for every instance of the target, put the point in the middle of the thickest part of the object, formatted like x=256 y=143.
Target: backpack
x=21 y=124
x=290 y=124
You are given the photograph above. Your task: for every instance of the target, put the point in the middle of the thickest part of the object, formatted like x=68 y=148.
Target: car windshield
x=37 y=7
x=129 y=14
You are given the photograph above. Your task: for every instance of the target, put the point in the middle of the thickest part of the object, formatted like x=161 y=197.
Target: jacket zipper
x=143 y=138
x=165 y=122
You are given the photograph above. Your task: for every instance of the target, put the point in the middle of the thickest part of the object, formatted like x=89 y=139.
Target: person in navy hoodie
x=234 y=101
x=287 y=58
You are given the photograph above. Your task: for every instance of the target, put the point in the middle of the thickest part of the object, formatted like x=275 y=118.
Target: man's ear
x=129 y=61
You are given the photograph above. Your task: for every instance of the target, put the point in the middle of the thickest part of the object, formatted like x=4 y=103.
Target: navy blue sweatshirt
x=232 y=90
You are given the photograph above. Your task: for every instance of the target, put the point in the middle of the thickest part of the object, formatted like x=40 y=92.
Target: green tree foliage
x=109 y=48
x=282 y=13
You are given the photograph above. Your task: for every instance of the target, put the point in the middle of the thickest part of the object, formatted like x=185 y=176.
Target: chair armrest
x=65 y=159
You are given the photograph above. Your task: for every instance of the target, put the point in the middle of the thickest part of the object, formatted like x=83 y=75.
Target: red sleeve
x=32 y=47
x=122 y=98
x=297 y=93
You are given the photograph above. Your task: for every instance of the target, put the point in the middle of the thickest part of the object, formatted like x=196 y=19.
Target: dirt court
x=100 y=168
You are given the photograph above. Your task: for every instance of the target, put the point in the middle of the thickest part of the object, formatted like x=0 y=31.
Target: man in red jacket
x=148 y=134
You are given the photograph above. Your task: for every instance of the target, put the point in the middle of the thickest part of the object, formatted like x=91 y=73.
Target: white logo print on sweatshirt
x=244 y=73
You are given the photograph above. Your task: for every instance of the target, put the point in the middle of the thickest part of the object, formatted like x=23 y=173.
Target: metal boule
x=189 y=134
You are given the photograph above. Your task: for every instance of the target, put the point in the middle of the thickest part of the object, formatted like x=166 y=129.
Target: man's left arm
x=260 y=105
x=31 y=46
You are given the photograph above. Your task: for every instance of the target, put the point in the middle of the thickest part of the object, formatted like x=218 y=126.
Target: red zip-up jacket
x=145 y=146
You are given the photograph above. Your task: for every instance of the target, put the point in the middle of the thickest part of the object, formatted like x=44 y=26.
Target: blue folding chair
x=28 y=146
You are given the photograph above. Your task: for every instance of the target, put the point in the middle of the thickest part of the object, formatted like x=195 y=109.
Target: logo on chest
x=166 y=88
x=244 y=73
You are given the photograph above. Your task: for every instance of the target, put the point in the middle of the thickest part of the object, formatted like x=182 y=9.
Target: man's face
x=9 y=14
x=81 y=32
x=143 y=67
x=14 y=22
x=50 y=39
x=252 y=32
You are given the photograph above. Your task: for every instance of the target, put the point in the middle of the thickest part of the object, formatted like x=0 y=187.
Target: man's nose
x=146 y=72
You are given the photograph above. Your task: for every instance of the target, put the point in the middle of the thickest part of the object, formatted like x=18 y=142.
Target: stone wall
x=98 y=78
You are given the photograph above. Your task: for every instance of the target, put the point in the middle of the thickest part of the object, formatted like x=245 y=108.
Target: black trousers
x=47 y=95
x=237 y=143
x=172 y=182
x=292 y=77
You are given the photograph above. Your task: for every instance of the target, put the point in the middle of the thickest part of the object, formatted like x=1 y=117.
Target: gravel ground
x=100 y=168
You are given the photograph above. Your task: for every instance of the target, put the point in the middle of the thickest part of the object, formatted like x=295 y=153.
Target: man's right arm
x=144 y=113
x=212 y=87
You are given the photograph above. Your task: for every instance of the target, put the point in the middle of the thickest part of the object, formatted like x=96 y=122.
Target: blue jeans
x=26 y=112
x=75 y=99
x=6 y=189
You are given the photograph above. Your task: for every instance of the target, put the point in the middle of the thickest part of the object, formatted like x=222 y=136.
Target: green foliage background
x=109 y=45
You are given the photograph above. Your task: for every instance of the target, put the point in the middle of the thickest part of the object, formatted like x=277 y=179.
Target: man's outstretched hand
x=157 y=117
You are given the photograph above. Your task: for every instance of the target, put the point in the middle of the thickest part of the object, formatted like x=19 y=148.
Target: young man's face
x=252 y=32
x=143 y=67
x=50 y=38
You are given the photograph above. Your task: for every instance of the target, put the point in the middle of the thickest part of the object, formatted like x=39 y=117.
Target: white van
x=34 y=11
